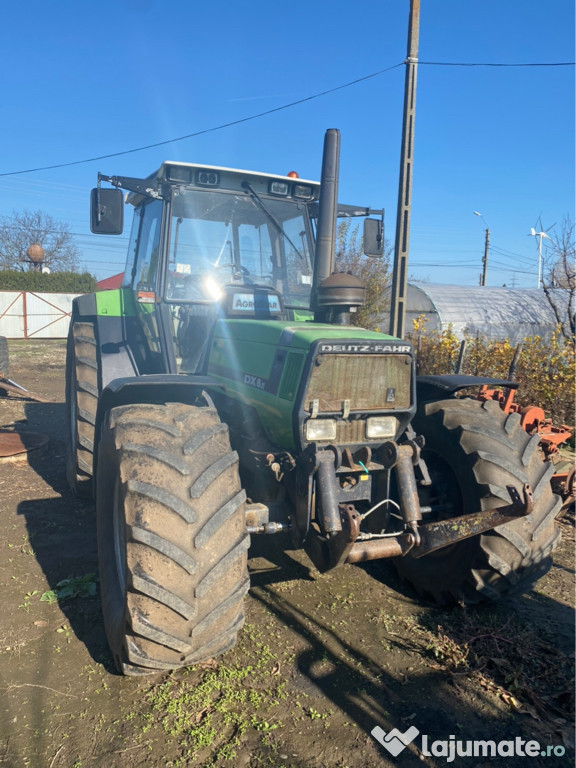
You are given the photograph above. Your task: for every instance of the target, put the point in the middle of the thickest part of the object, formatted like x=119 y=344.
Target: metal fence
x=28 y=315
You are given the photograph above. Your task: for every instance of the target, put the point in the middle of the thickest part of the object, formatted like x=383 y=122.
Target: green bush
x=545 y=371
x=41 y=282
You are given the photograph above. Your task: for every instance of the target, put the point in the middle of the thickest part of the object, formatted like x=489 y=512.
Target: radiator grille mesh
x=368 y=382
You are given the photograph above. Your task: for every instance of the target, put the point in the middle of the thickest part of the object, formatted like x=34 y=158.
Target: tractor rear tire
x=473 y=451
x=172 y=540
x=4 y=357
x=82 y=391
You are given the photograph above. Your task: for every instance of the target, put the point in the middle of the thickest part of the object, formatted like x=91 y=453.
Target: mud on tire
x=473 y=451
x=82 y=390
x=172 y=541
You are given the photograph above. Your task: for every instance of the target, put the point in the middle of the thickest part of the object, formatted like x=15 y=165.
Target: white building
x=495 y=313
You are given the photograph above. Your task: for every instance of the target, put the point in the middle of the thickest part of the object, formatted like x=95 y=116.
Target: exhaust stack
x=334 y=296
x=327 y=213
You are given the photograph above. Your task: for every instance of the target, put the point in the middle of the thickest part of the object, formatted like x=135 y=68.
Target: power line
x=502 y=267
x=509 y=255
x=496 y=64
x=210 y=130
x=281 y=108
x=97 y=262
x=514 y=253
x=443 y=265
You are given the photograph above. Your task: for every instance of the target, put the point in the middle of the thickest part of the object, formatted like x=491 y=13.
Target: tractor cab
x=210 y=242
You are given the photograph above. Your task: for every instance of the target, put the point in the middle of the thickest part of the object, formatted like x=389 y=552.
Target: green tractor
x=222 y=393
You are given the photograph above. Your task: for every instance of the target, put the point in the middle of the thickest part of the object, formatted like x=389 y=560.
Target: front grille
x=368 y=382
x=349 y=432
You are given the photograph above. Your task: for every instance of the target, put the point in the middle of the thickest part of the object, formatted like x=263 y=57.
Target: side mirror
x=373 y=238
x=106 y=211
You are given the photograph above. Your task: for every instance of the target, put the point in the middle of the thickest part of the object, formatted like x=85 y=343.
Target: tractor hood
x=288 y=372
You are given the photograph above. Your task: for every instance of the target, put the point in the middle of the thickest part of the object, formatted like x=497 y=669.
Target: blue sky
x=87 y=79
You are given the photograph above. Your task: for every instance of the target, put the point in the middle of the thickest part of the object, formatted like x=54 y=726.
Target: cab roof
x=215 y=177
x=167 y=165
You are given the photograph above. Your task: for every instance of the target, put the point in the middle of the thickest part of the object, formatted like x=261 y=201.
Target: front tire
x=82 y=391
x=473 y=451
x=4 y=357
x=172 y=541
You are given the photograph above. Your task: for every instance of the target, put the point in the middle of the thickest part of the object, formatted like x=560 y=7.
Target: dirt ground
x=322 y=660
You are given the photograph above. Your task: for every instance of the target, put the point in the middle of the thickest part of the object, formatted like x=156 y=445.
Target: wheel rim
x=444 y=491
x=440 y=574
x=119 y=533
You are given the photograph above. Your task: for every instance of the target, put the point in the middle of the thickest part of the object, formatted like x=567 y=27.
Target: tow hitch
x=442 y=533
x=338 y=537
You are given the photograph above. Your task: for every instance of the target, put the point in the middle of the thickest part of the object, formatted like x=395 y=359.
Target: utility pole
x=485 y=259
x=400 y=272
x=486 y=249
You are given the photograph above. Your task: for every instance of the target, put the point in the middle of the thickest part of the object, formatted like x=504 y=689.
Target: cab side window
x=130 y=269
x=148 y=248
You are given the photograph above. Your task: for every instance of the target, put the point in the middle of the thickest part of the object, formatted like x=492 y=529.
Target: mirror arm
x=98 y=208
x=146 y=187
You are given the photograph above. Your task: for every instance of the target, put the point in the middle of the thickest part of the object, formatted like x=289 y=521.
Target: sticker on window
x=245 y=302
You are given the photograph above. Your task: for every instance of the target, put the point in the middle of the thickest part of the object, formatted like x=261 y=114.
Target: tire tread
x=491 y=451
x=186 y=538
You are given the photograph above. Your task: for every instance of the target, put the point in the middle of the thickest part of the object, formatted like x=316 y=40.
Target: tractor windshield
x=220 y=238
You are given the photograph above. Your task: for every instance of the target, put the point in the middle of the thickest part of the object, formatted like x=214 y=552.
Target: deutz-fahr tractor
x=222 y=393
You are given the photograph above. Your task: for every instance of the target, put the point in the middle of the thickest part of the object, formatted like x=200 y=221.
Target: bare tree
x=375 y=273
x=21 y=230
x=560 y=281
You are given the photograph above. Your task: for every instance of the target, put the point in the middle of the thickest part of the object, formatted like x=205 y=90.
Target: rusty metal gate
x=25 y=314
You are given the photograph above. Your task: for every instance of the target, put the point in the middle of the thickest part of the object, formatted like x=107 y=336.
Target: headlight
x=381 y=426
x=299 y=190
x=278 y=188
x=320 y=429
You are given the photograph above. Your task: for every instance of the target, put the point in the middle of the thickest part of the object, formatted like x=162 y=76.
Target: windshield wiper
x=260 y=203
